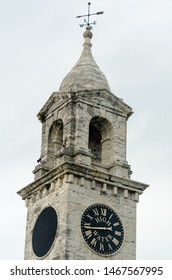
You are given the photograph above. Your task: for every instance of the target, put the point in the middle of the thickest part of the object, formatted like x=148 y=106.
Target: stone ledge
x=68 y=171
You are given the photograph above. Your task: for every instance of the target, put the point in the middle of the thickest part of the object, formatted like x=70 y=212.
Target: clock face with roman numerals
x=102 y=229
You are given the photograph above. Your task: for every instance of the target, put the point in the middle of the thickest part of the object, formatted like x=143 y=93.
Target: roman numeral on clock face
x=116 y=224
x=110 y=216
x=115 y=241
x=90 y=217
x=88 y=234
x=118 y=233
x=101 y=247
x=96 y=212
x=103 y=212
x=93 y=242
x=87 y=224
x=110 y=247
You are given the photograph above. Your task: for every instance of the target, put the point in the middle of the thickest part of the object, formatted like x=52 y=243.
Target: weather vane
x=87 y=22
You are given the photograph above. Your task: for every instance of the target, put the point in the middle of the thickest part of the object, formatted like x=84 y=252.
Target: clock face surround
x=102 y=229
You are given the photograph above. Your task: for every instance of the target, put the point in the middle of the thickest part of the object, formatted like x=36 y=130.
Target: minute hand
x=99 y=228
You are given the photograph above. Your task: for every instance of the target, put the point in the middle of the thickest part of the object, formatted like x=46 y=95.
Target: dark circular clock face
x=44 y=232
x=102 y=229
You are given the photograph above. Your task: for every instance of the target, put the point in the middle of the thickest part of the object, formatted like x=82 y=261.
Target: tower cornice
x=80 y=171
x=59 y=99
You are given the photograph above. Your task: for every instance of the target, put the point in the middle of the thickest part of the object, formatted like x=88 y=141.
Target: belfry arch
x=55 y=141
x=100 y=141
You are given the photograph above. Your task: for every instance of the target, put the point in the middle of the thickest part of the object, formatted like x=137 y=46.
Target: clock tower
x=82 y=202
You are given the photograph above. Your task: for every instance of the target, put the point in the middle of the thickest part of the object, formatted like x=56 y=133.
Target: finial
x=87 y=22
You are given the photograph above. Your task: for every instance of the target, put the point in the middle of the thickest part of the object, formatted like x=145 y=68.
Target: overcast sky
x=40 y=41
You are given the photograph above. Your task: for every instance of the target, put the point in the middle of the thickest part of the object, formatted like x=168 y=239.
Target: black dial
x=44 y=232
x=102 y=229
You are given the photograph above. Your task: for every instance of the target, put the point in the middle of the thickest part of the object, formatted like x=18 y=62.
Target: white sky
x=40 y=41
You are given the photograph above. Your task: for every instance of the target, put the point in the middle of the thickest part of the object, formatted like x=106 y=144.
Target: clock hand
x=99 y=228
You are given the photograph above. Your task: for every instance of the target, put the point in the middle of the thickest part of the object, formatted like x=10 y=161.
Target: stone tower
x=82 y=203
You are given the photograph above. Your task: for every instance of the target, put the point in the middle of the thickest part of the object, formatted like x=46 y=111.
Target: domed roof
x=85 y=74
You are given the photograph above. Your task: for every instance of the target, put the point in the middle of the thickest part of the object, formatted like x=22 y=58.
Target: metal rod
x=88 y=16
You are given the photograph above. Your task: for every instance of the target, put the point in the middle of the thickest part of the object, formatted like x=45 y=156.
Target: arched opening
x=55 y=141
x=95 y=143
x=100 y=140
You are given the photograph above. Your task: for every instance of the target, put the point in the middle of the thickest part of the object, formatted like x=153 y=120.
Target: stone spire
x=85 y=75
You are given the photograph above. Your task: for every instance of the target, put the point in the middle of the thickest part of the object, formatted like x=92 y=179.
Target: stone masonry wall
x=70 y=196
